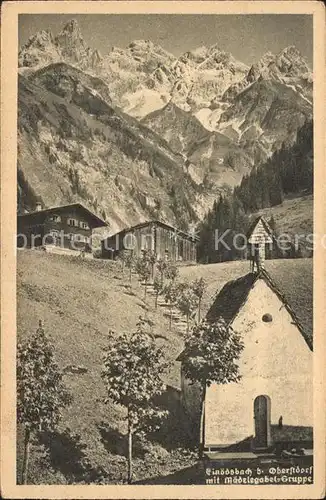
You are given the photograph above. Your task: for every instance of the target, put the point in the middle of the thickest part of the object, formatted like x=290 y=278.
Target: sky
x=247 y=36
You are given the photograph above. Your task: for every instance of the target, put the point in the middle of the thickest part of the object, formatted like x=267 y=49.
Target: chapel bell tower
x=259 y=235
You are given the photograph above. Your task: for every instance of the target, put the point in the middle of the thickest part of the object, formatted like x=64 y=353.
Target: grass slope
x=79 y=302
x=293 y=216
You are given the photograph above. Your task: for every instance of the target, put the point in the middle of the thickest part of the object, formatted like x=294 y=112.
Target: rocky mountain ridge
x=68 y=46
x=209 y=115
x=195 y=80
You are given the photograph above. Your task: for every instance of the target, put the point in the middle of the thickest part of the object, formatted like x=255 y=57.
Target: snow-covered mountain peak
x=42 y=40
x=140 y=43
x=71 y=27
x=70 y=36
x=39 y=50
x=291 y=61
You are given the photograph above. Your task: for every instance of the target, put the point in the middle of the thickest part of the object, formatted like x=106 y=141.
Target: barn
x=271 y=406
x=61 y=229
x=162 y=239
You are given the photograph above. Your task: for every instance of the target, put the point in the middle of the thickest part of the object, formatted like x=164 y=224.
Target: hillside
x=268 y=112
x=79 y=301
x=178 y=127
x=294 y=216
x=213 y=158
x=74 y=145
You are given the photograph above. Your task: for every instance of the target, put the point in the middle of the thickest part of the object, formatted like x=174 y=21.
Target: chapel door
x=262 y=421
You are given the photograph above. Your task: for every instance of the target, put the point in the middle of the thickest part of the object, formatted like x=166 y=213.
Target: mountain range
x=139 y=132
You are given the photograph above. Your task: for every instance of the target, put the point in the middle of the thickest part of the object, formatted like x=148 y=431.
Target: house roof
x=294 y=289
x=96 y=221
x=155 y=222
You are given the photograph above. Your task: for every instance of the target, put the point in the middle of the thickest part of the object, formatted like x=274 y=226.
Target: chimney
x=38 y=204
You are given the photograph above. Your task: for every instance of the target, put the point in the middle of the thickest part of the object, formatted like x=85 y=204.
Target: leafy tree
x=143 y=269
x=122 y=259
x=211 y=354
x=41 y=393
x=152 y=259
x=157 y=288
x=132 y=371
x=199 y=287
x=187 y=302
x=128 y=261
x=171 y=272
x=170 y=292
x=162 y=266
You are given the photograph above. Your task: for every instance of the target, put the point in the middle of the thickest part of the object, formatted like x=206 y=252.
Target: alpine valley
x=139 y=133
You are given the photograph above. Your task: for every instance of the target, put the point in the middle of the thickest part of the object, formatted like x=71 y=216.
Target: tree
x=41 y=392
x=210 y=356
x=157 y=288
x=152 y=258
x=199 y=286
x=128 y=261
x=132 y=371
x=187 y=302
x=162 y=266
x=122 y=259
x=143 y=269
x=171 y=272
x=170 y=292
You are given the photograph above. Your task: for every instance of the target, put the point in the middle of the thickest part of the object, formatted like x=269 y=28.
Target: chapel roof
x=296 y=298
x=255 y=223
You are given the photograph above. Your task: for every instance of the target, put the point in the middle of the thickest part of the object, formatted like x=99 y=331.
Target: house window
x=76 y=237
x=267 y=318
x=55 y=218
x=79 y=237
x=84 y=225
x=73 y=222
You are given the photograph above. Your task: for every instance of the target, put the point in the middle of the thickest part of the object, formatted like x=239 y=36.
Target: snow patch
x=297 y=92
x=235 y=123
x=210 y=118
x=145 y=101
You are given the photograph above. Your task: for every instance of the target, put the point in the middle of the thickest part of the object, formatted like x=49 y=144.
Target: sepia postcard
x=163 y=243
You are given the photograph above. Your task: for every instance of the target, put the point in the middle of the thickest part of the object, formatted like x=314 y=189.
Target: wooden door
x=262 y=421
